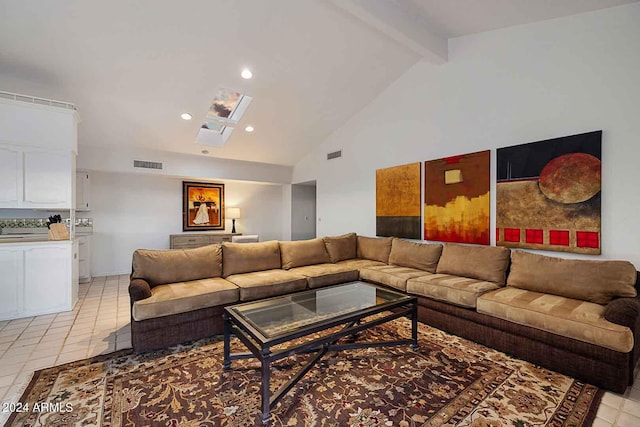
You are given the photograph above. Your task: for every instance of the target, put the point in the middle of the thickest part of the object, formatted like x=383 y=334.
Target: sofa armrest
x=139 y=289
x=623 y=311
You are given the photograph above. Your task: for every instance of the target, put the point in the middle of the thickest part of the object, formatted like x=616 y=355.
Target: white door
x=75 y=273
x=47 y=281
x=303 y=211
x=10 y=282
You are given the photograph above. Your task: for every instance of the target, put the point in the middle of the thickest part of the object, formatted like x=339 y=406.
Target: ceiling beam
x=403 y=22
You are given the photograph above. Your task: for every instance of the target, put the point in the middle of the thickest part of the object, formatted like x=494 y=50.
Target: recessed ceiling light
x=186 y=116
x=249 y=128
x=205 y=151
x=246 y=73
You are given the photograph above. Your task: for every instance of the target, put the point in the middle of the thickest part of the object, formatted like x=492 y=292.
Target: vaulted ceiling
x=133 y=66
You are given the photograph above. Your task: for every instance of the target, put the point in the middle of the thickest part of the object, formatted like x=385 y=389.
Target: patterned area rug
x=449 y=381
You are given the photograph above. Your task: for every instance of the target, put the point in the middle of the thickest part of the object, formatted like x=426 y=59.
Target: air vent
x=146 y=164
x=334 y=155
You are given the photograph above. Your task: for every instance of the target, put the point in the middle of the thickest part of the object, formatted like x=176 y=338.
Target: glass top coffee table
x=333 y=313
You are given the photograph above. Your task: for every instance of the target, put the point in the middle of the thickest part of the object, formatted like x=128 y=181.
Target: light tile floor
x=100 y=324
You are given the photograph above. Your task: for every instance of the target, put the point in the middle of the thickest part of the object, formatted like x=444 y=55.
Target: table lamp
x=233 y=213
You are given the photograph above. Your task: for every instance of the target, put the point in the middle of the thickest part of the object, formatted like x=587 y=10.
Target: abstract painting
x=548 y=194
x=398 y=201
x=456 y=198
x=202 y=206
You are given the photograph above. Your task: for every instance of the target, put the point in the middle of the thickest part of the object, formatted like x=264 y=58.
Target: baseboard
x=101 y=274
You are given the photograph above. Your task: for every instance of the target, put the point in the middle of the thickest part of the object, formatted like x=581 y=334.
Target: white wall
x=132 y=211
x=500 y=88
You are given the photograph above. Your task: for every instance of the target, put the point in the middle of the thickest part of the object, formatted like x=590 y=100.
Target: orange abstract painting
x=457 y=202
x=398 y=201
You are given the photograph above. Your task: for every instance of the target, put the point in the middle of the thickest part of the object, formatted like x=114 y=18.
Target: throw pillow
x=594 y=281
x=341 y=248
x=423 y=256
x=477 y=262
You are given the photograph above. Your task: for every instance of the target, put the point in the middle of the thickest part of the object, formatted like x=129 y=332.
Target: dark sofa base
x=162 y=332
x=596 y=365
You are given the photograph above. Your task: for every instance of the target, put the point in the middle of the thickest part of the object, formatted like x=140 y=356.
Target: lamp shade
x=233 y=213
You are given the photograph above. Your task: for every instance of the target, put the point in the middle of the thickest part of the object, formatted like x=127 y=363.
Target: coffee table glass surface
x=269 y=327
x=283 y=315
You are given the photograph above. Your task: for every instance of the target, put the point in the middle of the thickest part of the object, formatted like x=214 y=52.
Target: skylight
x=225 y=112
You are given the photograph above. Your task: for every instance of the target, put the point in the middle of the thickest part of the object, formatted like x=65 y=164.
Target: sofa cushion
x=268 y=283
x=358 y=264
x=572 y=318
x=391 y=275
x=457 y=290
x=478 y=262
x=303 y=252
x=341 y=248
x=374 y=248
x=320 y=275
x=423 y=256
x=177 y=265
x=594 y=281
x=247 y=257
x=181 y=297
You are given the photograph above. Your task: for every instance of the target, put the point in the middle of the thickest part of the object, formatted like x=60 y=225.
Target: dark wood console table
x=195 y=240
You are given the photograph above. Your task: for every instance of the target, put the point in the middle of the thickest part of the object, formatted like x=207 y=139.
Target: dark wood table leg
x=226 y=365
x=414 y=327
x=266 y=379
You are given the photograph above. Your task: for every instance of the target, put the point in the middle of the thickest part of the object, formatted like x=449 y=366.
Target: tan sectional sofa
x=581 y=318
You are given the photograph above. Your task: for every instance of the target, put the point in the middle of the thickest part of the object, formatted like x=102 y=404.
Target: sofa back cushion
x=159 y=267
x=303 y=252
x=593 y=281
x=374 y=248
x=423 y=256
x=477 y=262
x=240 y=258
x=341 y=248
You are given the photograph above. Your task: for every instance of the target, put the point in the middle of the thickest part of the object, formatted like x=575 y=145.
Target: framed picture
x=398 y=201
x=202 y=206
x=457 y=198
x=549 y=194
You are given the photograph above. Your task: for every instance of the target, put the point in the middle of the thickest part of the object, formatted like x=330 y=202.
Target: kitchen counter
x=31 y=236
x=29 y=239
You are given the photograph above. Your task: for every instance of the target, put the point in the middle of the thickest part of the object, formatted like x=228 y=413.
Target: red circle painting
x=571 y=178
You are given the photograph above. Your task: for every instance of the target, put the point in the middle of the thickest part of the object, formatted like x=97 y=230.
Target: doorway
x=303 y=211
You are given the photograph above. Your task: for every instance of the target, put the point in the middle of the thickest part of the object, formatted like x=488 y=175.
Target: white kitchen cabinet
x=33 y=124
x=83 y=191
x=84 y=258
x=48 y=179
x=75 y=272
x=37 y=278
x=38 y=146
x=10 y=175
x=11 y=267
x=47 y=279
x=33 y=178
